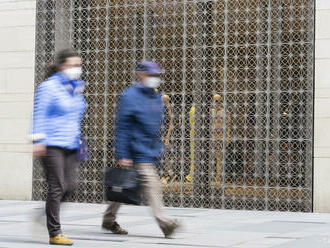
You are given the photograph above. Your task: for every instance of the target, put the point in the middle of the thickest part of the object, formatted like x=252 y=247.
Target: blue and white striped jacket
x=58 y=110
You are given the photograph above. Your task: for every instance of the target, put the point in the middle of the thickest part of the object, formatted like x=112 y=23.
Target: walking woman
x=58 y=111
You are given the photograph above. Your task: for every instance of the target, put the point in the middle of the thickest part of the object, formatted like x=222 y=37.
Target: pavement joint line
x=14 y=221
x=301 y=222
x=181 y=244
x=96 y=239
x=279 y=237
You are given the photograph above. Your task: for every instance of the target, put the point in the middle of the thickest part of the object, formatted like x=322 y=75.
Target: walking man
x=138 y=144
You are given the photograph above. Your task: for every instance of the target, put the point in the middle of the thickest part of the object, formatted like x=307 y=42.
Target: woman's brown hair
x=60 y=59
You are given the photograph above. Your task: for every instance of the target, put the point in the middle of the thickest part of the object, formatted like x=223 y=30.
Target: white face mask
x=73 y=73
x=151 y=82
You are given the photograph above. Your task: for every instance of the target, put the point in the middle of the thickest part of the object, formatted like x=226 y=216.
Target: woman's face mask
x=73 y=73
x=152 y=82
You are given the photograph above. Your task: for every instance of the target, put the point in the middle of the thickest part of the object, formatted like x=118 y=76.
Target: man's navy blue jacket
x=138 y=125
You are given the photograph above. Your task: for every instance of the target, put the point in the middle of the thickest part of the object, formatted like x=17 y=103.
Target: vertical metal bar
x=70 y=17
x=184 y=84
x=145 y=29
x=309 y=184
x=202 y=104
x=106 y=85
x=225 y=80
x=134 y=43
x=199 y=161
x=62 y=26
x=275 y=123
x=269 y=61
x=259 y=99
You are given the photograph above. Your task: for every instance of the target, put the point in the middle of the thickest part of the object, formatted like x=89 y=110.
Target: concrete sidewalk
x=202 y=228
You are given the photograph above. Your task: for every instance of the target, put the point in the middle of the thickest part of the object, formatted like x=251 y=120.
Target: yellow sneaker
x=60 y=239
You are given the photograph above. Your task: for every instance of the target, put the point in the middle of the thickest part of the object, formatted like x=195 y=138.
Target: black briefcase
x=122 y=185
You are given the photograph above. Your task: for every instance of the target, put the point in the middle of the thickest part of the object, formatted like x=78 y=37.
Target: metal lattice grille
x=239 y=85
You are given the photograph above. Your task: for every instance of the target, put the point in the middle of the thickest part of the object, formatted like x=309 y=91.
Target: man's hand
x=125 y=162
x=39 y=150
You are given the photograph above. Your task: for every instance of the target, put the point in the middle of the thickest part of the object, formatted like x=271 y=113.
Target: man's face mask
x=152 y=82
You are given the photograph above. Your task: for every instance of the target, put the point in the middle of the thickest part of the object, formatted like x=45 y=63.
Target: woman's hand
x=39 y=150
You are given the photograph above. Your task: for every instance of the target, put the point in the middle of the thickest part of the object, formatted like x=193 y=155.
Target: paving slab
x=22 y=225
